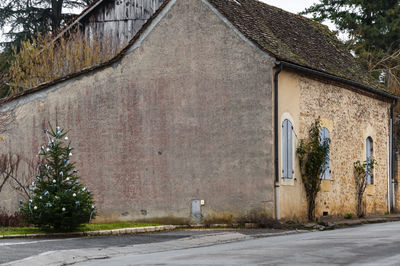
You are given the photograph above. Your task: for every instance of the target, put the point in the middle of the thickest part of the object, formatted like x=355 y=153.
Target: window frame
x=326 y=175
x=287 y=149
x=369 y=155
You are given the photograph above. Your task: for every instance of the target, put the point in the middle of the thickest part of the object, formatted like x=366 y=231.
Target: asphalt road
x=374 y=244
x=17 y=249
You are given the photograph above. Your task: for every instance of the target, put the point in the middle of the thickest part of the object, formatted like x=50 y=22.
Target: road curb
x=367 y=221
x=122 y=231
x=286 y=233
x=151 y=229
x=330 y=225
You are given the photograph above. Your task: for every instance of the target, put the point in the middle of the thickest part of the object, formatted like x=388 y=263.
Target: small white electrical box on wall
x=202 y=202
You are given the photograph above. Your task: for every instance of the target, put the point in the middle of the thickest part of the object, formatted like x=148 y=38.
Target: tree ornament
x=61 y=201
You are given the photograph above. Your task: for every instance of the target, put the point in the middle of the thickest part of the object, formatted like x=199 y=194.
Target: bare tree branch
x=8 y=167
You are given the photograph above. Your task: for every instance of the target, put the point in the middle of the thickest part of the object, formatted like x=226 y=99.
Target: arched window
x=324 y=137
x=369 y=156
x=287 y=149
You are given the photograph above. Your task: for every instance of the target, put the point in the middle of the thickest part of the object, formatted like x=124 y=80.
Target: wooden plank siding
x=121 y=19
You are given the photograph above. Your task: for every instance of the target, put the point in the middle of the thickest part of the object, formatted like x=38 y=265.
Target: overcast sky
x=294 y=6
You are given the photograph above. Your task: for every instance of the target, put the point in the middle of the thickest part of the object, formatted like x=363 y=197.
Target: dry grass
x=42 y=59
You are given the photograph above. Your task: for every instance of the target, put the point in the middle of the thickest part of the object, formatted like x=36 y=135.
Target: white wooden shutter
x=368 y=159
x=284 y=148
x=290 y=150
x=324 y=136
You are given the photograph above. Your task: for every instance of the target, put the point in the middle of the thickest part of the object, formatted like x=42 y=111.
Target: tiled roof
x=286 y=36
x=293 y=38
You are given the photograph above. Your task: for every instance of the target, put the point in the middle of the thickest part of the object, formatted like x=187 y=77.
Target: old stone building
x=200 y=115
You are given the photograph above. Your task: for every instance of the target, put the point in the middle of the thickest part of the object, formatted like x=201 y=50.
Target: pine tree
x=373 y=33
x=22 y=19
x=58 y=199
x=372 y=26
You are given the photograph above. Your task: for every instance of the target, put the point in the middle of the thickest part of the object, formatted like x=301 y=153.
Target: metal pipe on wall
x=391 y=180
x=276 y=141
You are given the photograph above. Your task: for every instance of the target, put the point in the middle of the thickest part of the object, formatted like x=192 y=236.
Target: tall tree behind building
x=23 y=19
x=373 y=28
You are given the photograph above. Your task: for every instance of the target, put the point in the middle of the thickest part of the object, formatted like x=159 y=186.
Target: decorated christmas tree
x=58 y=199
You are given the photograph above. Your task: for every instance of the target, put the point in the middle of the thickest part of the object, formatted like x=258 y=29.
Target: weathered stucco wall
x=187 y=115
x=291 y=197
x=350 y=117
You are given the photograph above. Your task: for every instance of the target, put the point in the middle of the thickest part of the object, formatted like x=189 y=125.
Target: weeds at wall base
x=348 y=216
x=170 y=220
x=12 y=220
x=252 y=219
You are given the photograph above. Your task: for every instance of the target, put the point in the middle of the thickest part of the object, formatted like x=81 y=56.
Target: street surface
x=17 y=249
x=374 y=244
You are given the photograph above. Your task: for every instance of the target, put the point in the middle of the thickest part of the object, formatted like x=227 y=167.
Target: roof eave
x=314 y=72
x=71 y=76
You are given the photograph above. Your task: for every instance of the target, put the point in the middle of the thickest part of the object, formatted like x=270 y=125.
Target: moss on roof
x=286 y=36
x=293 y=38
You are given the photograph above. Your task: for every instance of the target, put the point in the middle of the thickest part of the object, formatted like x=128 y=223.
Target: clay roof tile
x=293 y=38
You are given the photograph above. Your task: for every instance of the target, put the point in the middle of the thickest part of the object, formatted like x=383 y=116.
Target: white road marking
x=33 y=242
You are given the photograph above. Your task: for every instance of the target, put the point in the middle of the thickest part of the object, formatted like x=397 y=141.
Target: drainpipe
x=276 y=140
x=391 y=157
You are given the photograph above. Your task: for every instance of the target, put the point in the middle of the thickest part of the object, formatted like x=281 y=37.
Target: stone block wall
x=351 y=118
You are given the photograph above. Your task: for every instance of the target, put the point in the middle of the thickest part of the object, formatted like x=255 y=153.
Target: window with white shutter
x=324 y=136
x=369 y=150
x=287 y=149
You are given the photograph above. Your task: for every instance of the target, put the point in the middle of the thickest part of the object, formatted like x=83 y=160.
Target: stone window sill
x=288 y=181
